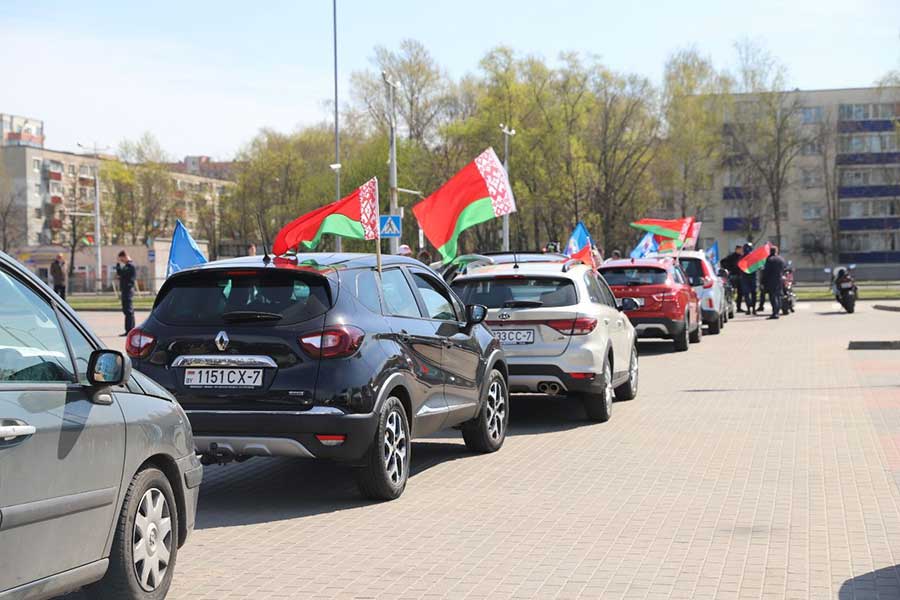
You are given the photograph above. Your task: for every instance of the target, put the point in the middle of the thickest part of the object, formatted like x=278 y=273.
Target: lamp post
x=390 y=87
x=507 y=133
x=338 y=245
x=98 y=283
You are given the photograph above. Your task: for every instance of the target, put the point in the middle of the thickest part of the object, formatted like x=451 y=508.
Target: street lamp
x=507 y=133
x=390 y=88
x=98 y=284
x=338 y=245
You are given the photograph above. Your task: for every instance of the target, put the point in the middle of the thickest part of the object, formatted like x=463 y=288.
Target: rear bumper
x=284 y=433
x=528 y=378
x=709 y=316
x=657 y=327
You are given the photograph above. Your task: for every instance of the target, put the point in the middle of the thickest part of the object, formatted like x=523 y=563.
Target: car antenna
x=265 y=240
x=515 y=261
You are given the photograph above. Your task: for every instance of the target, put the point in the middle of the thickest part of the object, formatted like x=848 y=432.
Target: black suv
x=321 y=357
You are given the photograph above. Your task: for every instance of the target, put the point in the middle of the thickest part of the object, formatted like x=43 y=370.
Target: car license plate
x=846 y=285
x=223 y=378
x=515 y=336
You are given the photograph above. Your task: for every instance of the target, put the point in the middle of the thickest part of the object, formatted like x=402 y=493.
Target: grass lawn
x=865 y=293
x=107 y=302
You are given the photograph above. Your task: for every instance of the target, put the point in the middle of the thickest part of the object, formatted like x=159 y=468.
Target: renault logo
x=504 y=316
x=222 y=341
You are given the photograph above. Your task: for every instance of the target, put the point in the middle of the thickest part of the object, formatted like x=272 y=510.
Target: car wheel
x=145 y=547
x=628 y=390
x=599 y=406
x=387 y=464
x=697 y=335
x=681 y=342
x=486 y=432
x=716 y=326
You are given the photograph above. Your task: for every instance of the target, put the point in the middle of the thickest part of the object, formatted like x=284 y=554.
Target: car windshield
x=517 y=291
x=634 y=276
x=243 y=296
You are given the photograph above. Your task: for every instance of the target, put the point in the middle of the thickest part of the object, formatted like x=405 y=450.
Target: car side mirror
x=723 y=273
x=107 y=368
x=827 y=270
x=475 y=314
x=628 y=304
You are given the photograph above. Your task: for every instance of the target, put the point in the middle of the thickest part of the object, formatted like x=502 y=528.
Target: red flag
x=753 y=262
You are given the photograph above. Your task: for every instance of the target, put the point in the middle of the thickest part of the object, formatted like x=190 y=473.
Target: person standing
x=127 y=275
x=748 y=284
x=60 y=275
x=771 y=279
x=730 y=264
x=251 y=249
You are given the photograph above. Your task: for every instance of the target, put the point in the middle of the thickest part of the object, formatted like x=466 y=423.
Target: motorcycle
x=788 y=296
x=729 y=293
x=843 y=286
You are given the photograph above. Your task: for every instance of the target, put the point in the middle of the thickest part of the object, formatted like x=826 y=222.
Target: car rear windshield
x=524 y=292
x=634 y=276
x=248 y=296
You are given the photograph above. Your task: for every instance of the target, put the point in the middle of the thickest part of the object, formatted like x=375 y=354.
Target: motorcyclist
x=837 y=275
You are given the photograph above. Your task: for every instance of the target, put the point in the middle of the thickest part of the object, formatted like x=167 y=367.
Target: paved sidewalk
x=763 y=463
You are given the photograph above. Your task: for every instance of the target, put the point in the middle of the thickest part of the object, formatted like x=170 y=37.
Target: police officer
x=127 y=275
x=771 y=279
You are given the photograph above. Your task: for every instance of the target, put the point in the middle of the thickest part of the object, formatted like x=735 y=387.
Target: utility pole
x=507 y=133
x=394 y=243
x=98 y=283
x=338 y=243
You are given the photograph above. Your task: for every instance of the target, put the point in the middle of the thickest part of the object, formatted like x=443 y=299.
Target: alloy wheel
x=395 y=447
x=608 y=392
x=495 y=410
x=633 y=371
x=152 y=539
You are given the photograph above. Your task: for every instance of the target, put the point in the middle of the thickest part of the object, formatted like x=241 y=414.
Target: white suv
x=710 y=289
x=561 y=330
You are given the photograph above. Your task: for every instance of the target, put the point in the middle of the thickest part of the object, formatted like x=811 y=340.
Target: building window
x=84 y=171
x=72 y=170
x=813 y=211
x=38 y=213
x=37 y=188
x=811 y=148
x=811 y=114
x=55 y=188
x=36 y=165
x=811 y=177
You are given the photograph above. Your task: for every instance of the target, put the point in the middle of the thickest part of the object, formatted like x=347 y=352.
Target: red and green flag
x=354 y=216
x=478 y=193
x=673 y=229
x=755 y=261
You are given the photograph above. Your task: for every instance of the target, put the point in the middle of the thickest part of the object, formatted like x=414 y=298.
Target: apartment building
x=16 y=130
x=861 y=160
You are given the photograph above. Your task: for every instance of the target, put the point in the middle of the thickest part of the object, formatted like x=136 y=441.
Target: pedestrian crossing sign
x=390 y=226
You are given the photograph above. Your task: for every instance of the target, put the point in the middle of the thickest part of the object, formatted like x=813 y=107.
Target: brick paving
x=763 y=463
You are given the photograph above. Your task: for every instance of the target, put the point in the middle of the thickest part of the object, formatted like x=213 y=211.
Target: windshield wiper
x=523 y=304
x=250 y=315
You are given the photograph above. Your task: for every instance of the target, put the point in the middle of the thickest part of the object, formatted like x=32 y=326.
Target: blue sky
x=205 y=76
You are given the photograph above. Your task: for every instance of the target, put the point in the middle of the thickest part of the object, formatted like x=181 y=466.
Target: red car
x=668 y=307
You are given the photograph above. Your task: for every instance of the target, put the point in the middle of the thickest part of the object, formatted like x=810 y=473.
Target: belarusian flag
x=674 y=229
x=478 y=193
x=755 y=261
x=354 y=216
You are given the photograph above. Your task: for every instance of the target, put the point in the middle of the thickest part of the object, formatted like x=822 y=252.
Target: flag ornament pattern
x=478 y=193
x=756 y=260
x=354 y=216
x=693 y=235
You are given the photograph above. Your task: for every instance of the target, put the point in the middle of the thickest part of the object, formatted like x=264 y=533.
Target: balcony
x=55 y=224
x=54 y=175
x=739 y=224
x=56 y=199
x=86 y=180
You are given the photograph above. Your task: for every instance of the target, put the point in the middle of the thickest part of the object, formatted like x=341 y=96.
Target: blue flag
x=712 y=253
x=183 y=252
x=644 y=247
x=580 y=245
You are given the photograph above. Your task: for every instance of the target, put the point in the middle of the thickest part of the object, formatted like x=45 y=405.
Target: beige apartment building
x=863 y=160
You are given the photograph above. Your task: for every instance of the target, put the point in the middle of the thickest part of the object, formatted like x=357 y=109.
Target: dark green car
x=98 y=475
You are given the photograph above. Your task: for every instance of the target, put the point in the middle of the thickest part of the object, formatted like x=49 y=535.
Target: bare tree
x=826 y=138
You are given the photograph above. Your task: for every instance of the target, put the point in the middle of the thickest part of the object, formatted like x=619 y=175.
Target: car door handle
x=11 y=432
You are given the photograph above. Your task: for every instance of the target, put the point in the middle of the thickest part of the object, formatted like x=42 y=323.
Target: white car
x=561 y=330
x=710 y=289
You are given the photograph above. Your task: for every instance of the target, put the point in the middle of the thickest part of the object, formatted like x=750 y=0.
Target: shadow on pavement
x=532 y=414
x=831 y=313
x=883 y=584
x=655 y=347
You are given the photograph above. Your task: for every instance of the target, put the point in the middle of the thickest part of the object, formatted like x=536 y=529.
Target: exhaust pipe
x=217 y=455
x=549 y=387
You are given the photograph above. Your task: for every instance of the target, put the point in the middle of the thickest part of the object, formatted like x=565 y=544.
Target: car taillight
x=708 y=282
x=339 y=341
x=665 y=296
x=579 y=326
x=139 y=343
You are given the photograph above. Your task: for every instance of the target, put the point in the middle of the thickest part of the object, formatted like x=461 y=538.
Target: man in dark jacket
x=60 y=275
x=127 y=275
x=729 y=263
x=771 y=279
x=748 y=284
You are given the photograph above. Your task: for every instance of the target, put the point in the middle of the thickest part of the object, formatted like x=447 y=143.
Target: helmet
x=404 y=250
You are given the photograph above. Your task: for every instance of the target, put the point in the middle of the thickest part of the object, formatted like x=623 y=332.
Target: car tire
x=487 y=431
x=386 y=469
x=681 y=341
x=629 y=389
x=715 y=326
x=599 y=406
x=129 y=576
x=697 y=334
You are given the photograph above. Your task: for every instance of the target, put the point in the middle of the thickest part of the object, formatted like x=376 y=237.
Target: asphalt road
x=762 y=463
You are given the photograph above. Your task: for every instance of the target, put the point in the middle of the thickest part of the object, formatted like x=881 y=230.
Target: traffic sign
x=390 y=226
